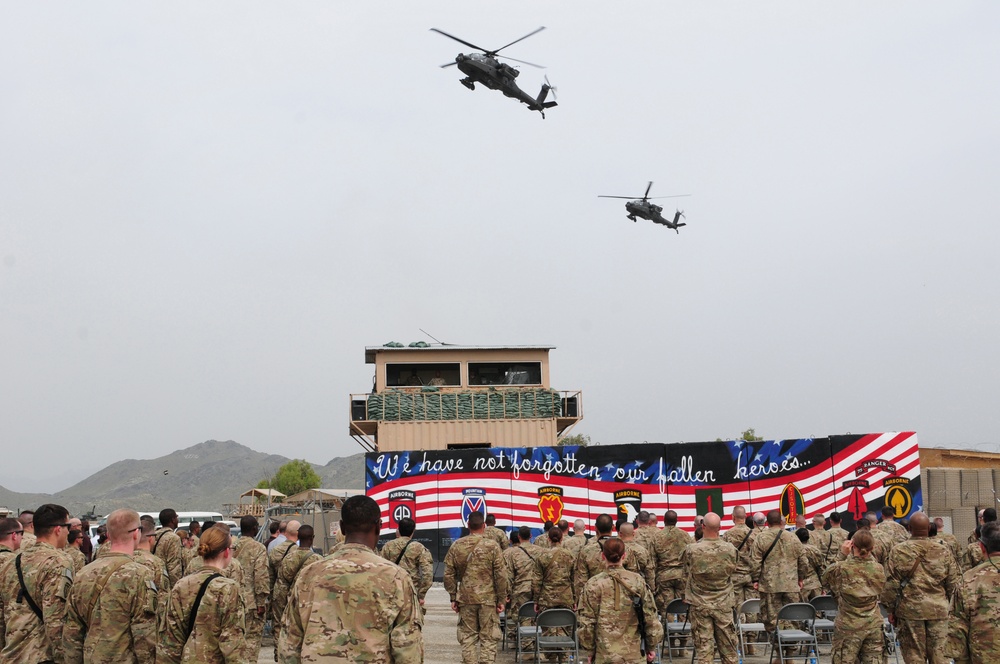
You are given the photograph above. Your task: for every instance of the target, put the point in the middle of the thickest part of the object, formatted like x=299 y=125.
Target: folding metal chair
x=559 y=644
x=783 y=638
x=522 y=632
x=889 y=633
x=827 y=606
x=676 y=629
x=748 y=607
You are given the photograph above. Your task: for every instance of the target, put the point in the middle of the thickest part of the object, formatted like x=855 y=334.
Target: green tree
x=295 y=476
x=577 y=439
x=750 y=435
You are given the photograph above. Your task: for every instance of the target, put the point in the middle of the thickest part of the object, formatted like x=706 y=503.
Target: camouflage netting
x=492 y=404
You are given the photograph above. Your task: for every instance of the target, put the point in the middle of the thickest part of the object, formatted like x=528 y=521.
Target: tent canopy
x=273 y=494
x=323 y=495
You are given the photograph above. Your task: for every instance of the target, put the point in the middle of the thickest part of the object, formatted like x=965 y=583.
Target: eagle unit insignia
x=629 y=502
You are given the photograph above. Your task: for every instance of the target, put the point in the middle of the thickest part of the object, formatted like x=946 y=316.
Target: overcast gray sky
x=207 y=210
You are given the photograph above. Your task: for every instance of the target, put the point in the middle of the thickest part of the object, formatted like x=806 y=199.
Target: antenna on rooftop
x=432 y=336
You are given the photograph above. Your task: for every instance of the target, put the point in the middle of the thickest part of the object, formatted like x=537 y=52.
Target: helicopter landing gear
x=632 y=217
x=468 y=83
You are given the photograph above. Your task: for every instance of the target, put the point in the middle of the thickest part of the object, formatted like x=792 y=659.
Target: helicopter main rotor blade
x=507 y=57
x=515 y=41
x=650 y=186
x=460 y=41
x=626 y=197
x=653 y=198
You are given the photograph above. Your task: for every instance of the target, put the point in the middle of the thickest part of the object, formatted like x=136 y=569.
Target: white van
x=184 y=519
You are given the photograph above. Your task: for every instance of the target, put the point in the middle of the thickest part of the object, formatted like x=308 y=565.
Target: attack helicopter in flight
x=486 y=68
x=642 y=207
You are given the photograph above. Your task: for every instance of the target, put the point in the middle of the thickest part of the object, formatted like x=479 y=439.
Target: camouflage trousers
x=922 y=640
x=668 y=590
x=853 y=640
x=743 y=588
x=711 y=627
x=771 y=603
x=254 y=634
x=809 y=594
x=279 y=598
x=478 y=629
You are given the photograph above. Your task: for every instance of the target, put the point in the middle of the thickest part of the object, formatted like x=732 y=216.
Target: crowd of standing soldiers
x=908 y=569
x=153 y=594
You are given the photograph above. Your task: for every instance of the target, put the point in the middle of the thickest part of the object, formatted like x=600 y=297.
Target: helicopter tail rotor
x=551 y=87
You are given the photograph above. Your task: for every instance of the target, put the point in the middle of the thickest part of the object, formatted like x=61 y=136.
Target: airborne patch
x=550 y=503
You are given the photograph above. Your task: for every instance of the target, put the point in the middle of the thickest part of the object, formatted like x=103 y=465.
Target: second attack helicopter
x=642 y=207
x=486 y=68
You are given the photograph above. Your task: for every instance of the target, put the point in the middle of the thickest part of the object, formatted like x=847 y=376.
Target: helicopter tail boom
x=540 y=99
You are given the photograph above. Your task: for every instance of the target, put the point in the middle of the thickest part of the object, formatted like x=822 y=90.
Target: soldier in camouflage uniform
x=590 y=562
x=412 y=556
x=949 y=541
x=608 y=625
x=111 y=613
x=11 y=533
x=857 y=582
x=194 y=530
x=921 y=581
x=884 y=538
x=27 y=636
x=475 y=577
x=833 y=540
x=167 y=546
x=775 y=569
x=279 y=591
x=973 y=554
x=256 y=581
x=880 y=551
x=578 y=539
x=636 y=557
x=817 y=536
x=895 y=530
x=27 y=519
x=977 y=605
x=156 y=568
x=644 y=532
x=353 y=606
x=553 y=588
x=813 y=563
x=741 y=537
x=709 y=566
x=667 y=548
x=543 y=539
x=73 y=551
x=522 y=570
x=496 y=534
x=218 y=633
x=298 y=559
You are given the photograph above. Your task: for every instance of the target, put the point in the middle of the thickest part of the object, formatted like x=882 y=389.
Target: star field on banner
x=849 y=474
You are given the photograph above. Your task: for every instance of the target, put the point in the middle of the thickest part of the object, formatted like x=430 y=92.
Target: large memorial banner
x=849 y=474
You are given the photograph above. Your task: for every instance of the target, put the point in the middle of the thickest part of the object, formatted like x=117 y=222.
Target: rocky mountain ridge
x=201 y=477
